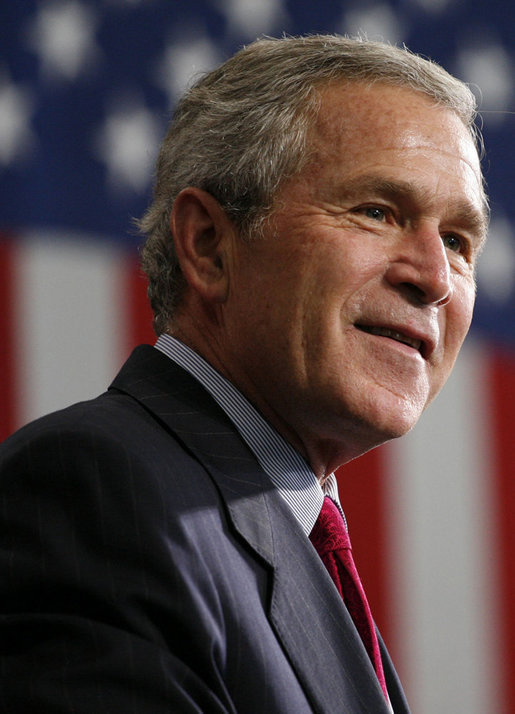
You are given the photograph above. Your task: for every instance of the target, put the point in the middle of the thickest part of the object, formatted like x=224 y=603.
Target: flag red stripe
x=8 y=412
x=139 y=313
x=361 y=485
x=503 y=415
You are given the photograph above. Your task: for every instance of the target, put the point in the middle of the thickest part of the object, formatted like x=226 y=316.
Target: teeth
x=393 y=334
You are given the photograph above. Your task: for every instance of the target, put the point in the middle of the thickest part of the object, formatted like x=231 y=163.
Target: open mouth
x=393 y=335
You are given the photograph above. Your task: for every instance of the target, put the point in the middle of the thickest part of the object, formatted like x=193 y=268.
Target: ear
x=203 y=237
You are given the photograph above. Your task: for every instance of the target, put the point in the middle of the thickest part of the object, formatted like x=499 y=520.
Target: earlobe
x=202 y=234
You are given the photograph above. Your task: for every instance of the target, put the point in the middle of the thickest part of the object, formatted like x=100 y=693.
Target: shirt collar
x=286 y=468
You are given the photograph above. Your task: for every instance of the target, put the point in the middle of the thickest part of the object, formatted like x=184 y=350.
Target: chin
x=390 y=419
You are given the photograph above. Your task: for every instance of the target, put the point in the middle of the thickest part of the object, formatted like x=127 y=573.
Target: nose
x=420 y=267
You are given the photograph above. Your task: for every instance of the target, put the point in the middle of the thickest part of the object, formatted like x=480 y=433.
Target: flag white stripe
x=442 y=550
x=69 y=326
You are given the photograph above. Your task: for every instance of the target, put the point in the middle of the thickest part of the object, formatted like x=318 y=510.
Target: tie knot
x=329 y=532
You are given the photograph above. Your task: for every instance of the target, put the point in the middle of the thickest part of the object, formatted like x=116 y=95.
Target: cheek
x=458 y=319
x=462 y=311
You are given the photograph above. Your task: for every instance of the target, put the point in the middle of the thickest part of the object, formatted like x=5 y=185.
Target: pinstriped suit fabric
x=143 y=555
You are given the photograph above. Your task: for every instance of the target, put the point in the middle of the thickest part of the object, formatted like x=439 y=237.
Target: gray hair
x=242 y=130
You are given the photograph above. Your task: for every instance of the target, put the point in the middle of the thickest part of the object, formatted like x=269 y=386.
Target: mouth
x=415 y=343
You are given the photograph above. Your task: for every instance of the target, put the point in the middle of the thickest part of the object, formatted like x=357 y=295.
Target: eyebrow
x=464 y=211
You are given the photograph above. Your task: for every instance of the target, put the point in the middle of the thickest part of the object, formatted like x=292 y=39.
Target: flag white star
x=16 y=137
x=435 y=6
x=182 y=60
x=496 y=268
x=377 y=22
x=488 y=66
x=62 y=34
x=250 y=18
x=127 y=144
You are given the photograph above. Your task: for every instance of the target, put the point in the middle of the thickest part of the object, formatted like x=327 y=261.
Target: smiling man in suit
x=311 y=248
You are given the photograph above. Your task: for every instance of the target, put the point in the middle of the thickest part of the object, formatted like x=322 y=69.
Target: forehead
x=388 y=114
x=379 y=128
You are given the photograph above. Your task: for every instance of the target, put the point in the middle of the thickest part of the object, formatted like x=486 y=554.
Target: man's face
x=345 y=321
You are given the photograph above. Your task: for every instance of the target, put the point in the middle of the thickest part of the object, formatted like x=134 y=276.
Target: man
x=311 y=248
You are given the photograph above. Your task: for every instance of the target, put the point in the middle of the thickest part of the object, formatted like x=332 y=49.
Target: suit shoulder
x=103 y=433
x=91 y=415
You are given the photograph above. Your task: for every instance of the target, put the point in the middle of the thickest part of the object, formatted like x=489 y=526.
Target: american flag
x=86 y=89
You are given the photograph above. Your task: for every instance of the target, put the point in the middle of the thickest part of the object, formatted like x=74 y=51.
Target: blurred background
x=86 y=90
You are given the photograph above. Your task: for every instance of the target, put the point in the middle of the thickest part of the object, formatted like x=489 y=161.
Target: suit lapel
x=306 y=611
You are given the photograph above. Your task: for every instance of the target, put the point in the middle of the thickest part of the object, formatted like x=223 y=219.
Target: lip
x=418 y=340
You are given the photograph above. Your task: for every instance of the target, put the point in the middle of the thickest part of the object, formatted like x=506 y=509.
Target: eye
x=454 y=243
x=374 y=212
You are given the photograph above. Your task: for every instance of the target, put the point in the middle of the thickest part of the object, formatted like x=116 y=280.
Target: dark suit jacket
x=148 y=565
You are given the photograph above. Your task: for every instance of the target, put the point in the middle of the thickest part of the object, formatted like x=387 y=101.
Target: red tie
x=331 y=541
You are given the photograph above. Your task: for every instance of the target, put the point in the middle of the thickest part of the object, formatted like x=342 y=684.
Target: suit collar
x=185 y=408
x=311 y=622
